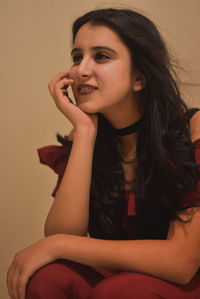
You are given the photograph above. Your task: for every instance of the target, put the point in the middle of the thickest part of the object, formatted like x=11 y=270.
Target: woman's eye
x=76 y=58
x=101 y=56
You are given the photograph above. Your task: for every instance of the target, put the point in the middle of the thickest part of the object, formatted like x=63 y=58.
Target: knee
x=47 y=279
x=126 y=285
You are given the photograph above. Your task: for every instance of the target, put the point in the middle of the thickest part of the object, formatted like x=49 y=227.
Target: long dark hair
x=165 y=154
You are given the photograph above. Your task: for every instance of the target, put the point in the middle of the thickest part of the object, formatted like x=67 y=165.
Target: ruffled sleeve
x=193 y=197
x=56 y=157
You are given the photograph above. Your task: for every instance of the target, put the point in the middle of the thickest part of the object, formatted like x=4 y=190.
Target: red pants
x=64 y=279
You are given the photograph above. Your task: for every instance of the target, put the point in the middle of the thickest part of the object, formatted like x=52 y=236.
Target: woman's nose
x=85 y=68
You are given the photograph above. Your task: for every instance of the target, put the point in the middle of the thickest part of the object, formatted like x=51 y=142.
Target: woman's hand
x=58 y=90
x=26 y=263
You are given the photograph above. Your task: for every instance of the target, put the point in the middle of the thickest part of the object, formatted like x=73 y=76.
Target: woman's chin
x=87 y=108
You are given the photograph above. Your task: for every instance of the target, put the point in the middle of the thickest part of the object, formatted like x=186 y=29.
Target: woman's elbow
x=55 y=229
x=188 y=273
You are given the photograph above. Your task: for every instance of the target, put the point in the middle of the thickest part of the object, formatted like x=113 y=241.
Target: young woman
x=125 y=222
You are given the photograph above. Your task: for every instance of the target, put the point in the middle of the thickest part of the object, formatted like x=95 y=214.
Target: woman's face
x=102 y=60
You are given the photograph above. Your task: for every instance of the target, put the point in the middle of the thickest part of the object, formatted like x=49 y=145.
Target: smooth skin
x=176 y=259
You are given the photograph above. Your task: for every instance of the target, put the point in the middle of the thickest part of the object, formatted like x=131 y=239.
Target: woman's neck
x=122 y=116
x=128 y=145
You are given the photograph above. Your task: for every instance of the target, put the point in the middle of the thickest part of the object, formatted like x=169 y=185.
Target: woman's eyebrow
x=94 y=48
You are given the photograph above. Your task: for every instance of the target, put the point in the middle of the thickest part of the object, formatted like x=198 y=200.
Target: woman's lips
x=85 y=91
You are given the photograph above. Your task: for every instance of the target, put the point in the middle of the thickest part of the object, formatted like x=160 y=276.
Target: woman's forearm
x=70 y=211
x=160 y=258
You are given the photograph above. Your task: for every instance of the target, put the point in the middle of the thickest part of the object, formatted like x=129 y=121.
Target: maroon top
x=56 y=158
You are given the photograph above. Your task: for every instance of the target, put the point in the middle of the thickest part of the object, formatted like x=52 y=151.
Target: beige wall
x=35 y=43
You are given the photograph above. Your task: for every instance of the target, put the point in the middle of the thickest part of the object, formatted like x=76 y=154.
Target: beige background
x=35 y=44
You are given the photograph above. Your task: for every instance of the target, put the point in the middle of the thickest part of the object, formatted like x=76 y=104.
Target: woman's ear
x=139 y=81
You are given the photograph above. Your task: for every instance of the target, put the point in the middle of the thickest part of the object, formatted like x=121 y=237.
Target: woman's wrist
x=54 y=244
x=85 y=131
x=62 y=245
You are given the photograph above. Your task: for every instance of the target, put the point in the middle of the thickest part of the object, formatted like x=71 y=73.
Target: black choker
x=130 y=129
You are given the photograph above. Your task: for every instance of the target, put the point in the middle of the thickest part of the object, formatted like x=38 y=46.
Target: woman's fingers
x=64 y=84
x=59 y=88
x=60 y=92
x=21 y=285
x=12 y=281
x=9 y=275
x=16 y=281
x=56 y=79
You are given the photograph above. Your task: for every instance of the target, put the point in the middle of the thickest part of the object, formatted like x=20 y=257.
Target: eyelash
x=101 y=54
